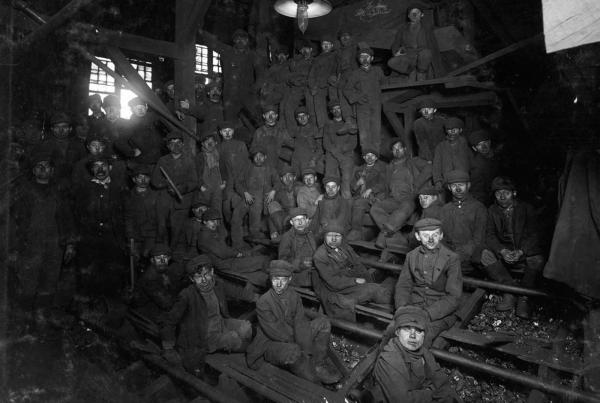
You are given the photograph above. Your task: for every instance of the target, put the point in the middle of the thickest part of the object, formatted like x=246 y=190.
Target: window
x=207 y=60
x=104 y=84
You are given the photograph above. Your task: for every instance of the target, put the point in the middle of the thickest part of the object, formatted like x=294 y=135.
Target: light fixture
x=302 y=10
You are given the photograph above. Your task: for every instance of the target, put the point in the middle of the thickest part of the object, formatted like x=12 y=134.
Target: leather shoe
x=507 y=303
x=523 y=308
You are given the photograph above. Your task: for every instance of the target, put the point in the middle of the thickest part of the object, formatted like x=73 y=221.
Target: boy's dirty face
x=270 y=118
x=288 y=179
x=309 y=180
x=302 y=119
x=227 y=133
x=259 y=159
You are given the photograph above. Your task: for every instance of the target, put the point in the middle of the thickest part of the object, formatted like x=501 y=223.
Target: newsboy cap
x=457 y=176
x=280 y=268
x=411 y=316
x=196 y=263
x=427 y=224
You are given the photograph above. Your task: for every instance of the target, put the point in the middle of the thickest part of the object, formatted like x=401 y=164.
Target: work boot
x=523 y=308
x=381 y=239
x=302 y=368
x=354 y=235
x=506 y=303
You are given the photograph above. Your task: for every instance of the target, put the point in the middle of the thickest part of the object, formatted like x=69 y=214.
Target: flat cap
x=301 y=109
x=331 y=178
x=363 y=47
x=95 y=136
x=457 y=176
x=426 y=103
x=270 y=107
x=411 y=316
x=296 y=211
x=160 y=249
x=208 y=134
x=143 y=169
x=136 y=101
x=286 y=169
x=334 y=226
x=370 y=150
x=211 y=214
x=478 y=136
x=60 y=117
x=226 y=124
x=94 y=98
x=239 y=33
x=333 y=102
x=280 y=268
x=503 y=183
x=308 y=171
x=429 y=190
x=328 y=38
x=453 y=123
x=111 y=100
x=197 y=263
x=41 y=155
x=174 y=134
x=426 y=224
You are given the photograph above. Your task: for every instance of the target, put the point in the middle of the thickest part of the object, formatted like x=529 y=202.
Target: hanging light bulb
x=302 y=16
x=303 y=10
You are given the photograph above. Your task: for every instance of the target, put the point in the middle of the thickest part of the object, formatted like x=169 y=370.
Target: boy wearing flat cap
x=297 y=246
x=42 y=235
x=284 y=200
x=211 y=241
x=363 y=90
x=367 y=186
x=300 y=67
x=513 y=237
x=321 y=71
x=272 y=136
x=145 y=142
x=343 y=281
x=405 y=370
x=464 y=220
x=308 y=193
x=308 y=142
x=255 y=187
x=339 y=148
x=140 y=206
x=285 y=337
x=483 y=164
x=451 y=154
x=414 y=45
x=431 y=278
x=175 y=198
x=403 y=177
x=157 y=288
x=233 y=158
x=199 y=321
x=428 y=128
x=332 y=207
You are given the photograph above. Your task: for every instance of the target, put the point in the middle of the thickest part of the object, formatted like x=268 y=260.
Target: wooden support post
x=188 y=17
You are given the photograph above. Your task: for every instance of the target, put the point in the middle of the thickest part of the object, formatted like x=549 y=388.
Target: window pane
x=201 y=59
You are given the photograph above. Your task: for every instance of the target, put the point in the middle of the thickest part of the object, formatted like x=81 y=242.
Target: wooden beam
x=138 y=43
x=195 y=18
x=497 y=54
x=185 y=63
x=140 y=87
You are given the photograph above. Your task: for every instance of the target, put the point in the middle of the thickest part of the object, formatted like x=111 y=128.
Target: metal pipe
x=516 y=377
x=472 y=282
x=348 y=326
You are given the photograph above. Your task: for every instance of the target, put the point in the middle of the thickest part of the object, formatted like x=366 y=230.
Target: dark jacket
x=524 y=229
x=140 y=214
x=399 y=383
x=440 y=297
x=277 y=322
x=186 y=323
